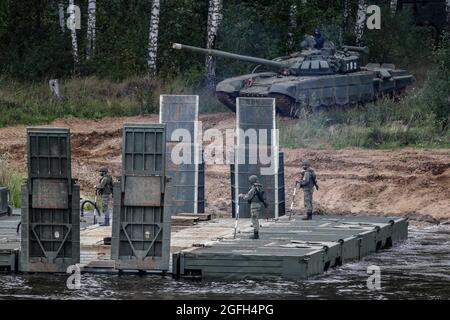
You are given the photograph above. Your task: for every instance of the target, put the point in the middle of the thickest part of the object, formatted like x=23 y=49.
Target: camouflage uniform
x=319 y=39
x=105 y=189
x=307 y=183
x=256 y=205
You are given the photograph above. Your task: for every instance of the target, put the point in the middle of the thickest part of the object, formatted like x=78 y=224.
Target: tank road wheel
x=399 y=94
x=227 y=99
x=286 y=106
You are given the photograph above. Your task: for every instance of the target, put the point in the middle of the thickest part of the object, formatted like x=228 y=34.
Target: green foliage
x=400 y=42
x=33 y=49
x=435 y=95
x=385 y=124
x=11 y=180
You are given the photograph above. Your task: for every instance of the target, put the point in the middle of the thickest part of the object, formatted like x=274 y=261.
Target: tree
x=393 y=5
x=91 y=30
x=153 y=39
x=346 y=14
x=62 y=21
x=361 y=16
x=293 y=10
x=214 y=19
x=447 y=7
x=73 y=32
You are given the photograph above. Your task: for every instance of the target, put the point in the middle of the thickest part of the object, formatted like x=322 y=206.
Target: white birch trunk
x=214 y=19
x=153 y=39
x=73 y=33
x=360 y=21
x=447 y=9
x=293 y=9
x=91 y=31
x=393 y=5
x=62 y=18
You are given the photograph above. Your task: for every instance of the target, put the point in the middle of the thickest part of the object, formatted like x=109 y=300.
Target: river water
x=418 y=268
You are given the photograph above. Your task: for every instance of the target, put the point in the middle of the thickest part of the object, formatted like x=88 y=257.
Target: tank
x=312 y=79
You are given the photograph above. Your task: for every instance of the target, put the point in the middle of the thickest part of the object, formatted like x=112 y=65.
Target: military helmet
x=253 y=179
x=103 y=170
x=306 y=163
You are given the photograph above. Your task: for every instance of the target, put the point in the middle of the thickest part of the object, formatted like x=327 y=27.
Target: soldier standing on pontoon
x=255 y=196
x=307 y=183
x=105 y=189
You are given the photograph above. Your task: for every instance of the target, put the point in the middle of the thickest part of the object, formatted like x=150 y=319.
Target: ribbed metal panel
x=3 y=201
x=256 y=152
x=50 y=204
x=141 y=225
x=187 y=188
x=269 y=183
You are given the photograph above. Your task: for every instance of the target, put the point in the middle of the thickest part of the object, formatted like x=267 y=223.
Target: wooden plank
x=184 y=221
x=200 y=216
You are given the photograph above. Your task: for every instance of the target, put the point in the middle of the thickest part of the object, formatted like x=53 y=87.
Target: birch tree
x=393 y=5
x=62 y=22
x=91 y=30
x=153 y=39
x=447 y=9
x=214 y=19
x=73 y=31
x=293 y=10
x=361 y=16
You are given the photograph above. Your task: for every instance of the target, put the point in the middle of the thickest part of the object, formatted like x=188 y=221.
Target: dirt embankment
x=408 y=182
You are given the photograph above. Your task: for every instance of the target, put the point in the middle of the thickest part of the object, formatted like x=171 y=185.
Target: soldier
x=256 y=198
x=307 y=183
x=319 y=39
x=105 y=189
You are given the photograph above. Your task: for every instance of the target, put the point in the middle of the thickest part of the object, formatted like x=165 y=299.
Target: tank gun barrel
x=363 y=50
x=218 y=53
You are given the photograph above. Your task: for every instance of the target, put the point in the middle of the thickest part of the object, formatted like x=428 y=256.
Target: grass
x=13 y=181
x=385 y=124
x=90 y=97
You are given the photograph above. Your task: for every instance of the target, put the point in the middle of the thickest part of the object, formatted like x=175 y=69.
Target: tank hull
x=315 y=92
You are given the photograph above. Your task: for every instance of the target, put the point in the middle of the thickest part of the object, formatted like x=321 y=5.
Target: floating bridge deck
x=291 y=249
x=9 y=244
x=294 y=249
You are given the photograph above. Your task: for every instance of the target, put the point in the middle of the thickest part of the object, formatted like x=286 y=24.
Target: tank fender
x=288 y=89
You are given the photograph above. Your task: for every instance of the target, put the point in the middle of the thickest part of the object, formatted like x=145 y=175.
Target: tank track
x=227 y=99
x=288 y=107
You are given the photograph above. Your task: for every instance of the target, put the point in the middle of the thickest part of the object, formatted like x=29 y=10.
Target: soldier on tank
x=105 y=189
x=318 y=39
x=256 y=198
x=307 y=183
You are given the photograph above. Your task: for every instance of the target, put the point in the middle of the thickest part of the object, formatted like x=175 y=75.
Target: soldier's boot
x=106 y=222
x=308 y=216
x=256 y=235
